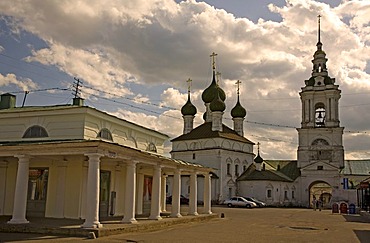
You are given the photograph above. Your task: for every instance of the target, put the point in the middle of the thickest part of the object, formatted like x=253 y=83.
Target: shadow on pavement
x=356 y=218
x=363 y=235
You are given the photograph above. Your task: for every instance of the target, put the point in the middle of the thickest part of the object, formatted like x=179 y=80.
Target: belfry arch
x=320 y=190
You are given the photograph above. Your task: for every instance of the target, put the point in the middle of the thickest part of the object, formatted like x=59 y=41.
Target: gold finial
x=238 y=84
x=258 y=146
x=189 y=84
x=218 y=75
x=318 y=23
x=213 y=55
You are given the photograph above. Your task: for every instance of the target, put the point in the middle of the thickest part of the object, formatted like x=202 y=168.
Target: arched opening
x=319 y=115
x=35 y=132
x=320 y=193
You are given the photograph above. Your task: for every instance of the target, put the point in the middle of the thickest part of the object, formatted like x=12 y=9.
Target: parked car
x=183 y=200
x=259 y=203
x=239 y=202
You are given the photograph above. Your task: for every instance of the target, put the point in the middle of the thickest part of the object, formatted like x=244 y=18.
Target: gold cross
x=189 y=84
x=213 y=55
x=318 y=22
x=238 y=83
x=258 y=145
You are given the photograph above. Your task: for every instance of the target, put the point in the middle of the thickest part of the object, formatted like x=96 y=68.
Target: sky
x=134 y=57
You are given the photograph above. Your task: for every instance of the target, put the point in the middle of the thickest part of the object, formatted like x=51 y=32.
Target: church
x=320 y=171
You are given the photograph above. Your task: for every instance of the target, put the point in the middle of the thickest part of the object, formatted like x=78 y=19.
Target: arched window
x=35 y=132
x=151 y=147
x=320 y=115
x=105 y=134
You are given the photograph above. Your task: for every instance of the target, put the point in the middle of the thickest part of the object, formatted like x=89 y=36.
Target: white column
x=93 y=189
x=129 y=212
x=3 y=177
x=60 y=196
x=117 y=185
x=20 y=195
x=193 y=194
x=207 y=194
x=163 y=193
x=140 y=193
x=155 y=210
x=83 y=189
x=176 y=187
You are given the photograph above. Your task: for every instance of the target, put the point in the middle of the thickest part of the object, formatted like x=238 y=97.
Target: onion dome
x=209 y=93
x=238 y=110
x=258 y=158
x=188 y=108
x=217 y=104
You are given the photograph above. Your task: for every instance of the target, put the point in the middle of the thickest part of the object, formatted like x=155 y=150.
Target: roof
x=356 y=167
x=73 y=146
x=251 y=174
x=69 y=107
x=205 y=131
x=275 y=170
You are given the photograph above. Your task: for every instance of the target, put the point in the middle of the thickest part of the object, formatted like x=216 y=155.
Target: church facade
x=320 y=171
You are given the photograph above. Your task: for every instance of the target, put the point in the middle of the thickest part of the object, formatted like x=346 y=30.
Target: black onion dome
x=188 y=108
x=258 y=159
x=209 y=93
x=238 y=110
x=217 y=104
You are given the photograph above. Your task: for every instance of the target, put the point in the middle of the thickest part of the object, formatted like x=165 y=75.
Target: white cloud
x=112 y=44
x=11 y=79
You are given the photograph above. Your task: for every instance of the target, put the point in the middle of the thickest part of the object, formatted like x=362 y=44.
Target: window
x=228 y=169
x=269 y=193
x=105 y=134
x=292 y=194
x=236 y=170
x=286 y=195
x=320 y=167
x=244 y=167
x=35 y=132
x=151 y=147
x=263 y=167
x=193 y=155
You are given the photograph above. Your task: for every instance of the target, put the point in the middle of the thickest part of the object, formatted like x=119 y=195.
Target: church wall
x=259 y=190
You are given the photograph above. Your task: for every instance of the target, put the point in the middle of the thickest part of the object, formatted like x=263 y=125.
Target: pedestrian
x=314 y=203
x=320 y=203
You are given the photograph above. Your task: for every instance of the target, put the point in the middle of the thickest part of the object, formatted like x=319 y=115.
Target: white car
x=239 y=202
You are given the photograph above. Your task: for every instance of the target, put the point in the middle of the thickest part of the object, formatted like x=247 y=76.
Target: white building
x=73 y=161
x=320 y=170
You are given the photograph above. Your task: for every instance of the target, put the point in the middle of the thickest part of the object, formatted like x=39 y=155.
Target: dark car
x=183 y=200
x=259 y=203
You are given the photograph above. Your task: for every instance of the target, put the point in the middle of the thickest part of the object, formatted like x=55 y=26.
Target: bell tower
x=320 y=135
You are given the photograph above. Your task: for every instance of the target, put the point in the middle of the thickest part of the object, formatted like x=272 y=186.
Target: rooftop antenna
x=76 y=86
x=25 y=96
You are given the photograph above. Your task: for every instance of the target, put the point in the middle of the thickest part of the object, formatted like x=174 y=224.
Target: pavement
x=237 y=225
x=111 y=225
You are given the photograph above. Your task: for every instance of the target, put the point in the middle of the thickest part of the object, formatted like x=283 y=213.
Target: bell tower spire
x=320 y=135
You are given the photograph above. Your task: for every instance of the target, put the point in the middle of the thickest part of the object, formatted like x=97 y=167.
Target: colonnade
x=133 y=198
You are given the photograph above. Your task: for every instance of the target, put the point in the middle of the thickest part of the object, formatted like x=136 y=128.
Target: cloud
x=11 y=79
x=111 y=45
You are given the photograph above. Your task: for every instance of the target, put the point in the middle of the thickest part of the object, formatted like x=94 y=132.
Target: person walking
x=314 y=203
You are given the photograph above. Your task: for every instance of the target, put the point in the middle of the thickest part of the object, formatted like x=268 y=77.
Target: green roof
x=356 y=167
x=251 y=174
x=205 y=131
x=275 y=170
